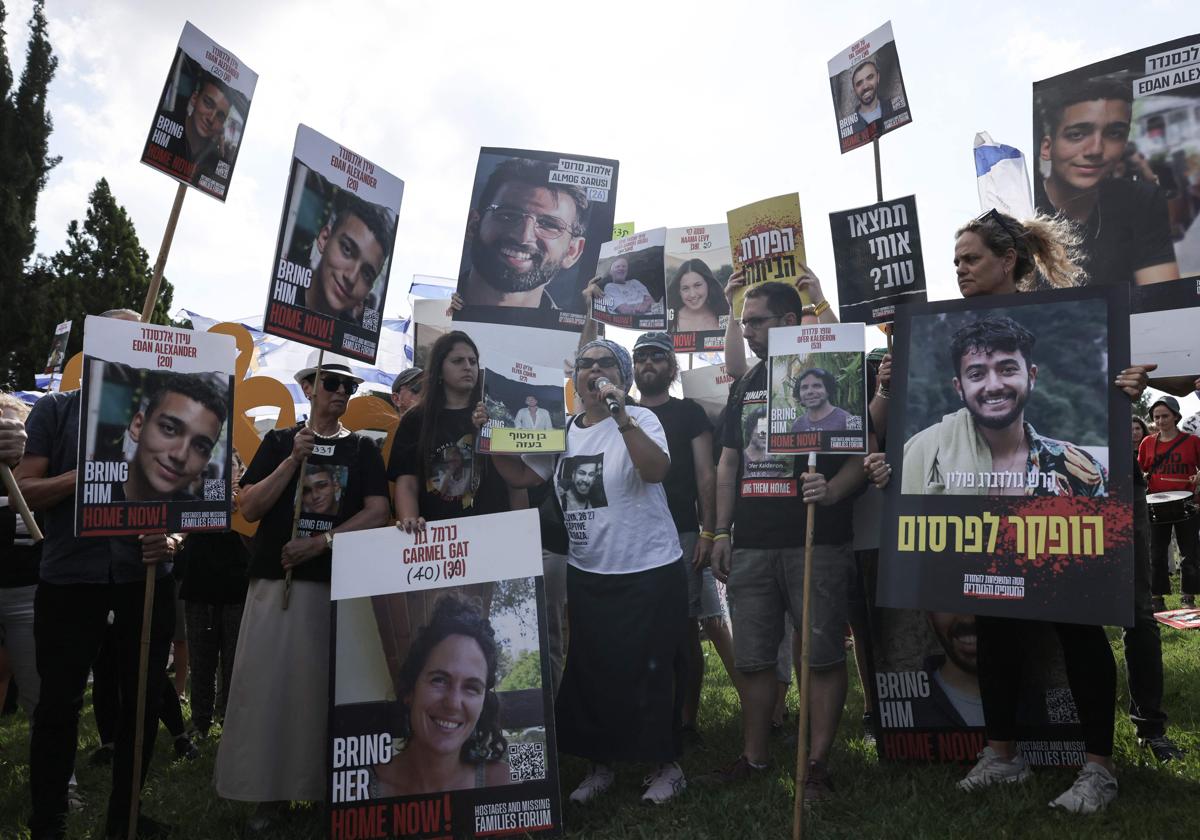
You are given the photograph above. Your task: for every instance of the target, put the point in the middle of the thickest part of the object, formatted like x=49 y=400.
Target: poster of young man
x=1014 y=490
x=927 y=700
x=698 y=265
x=877 y=251
x=817 y=389
x=526 y=407
x=155 y=430
x=440 y=700
x=329 y=279
x=201 y=115
x=1115 y=145
x=533 y=236
x=766 y=239
x=58 y=348
x=631 y=284
x=868 y=89
x=1162 y=329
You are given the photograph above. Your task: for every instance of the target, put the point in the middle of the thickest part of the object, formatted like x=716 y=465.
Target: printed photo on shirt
x=581 y=483
x=763 y=474
x=451 y=470
x=1116 y=145
x=322 y=489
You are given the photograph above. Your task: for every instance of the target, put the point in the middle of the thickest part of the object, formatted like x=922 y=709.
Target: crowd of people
x=646 y=510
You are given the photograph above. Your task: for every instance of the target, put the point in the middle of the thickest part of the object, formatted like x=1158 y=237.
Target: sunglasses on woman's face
x=332 y=383
x=609 y=362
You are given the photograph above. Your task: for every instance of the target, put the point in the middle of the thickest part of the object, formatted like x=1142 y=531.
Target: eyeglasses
x=994 y=215
x=760 y=321
x=609 y=362
x=332 y=383
x=640 y=356
x=546 y=227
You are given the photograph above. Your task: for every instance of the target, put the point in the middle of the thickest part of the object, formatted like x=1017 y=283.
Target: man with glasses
x=758 y=548
x=406 y=389
x=691 y=496
x=284 y=652
x=524 y=231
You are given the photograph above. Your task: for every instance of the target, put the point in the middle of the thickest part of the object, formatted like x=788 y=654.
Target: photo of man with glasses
x=528 y=226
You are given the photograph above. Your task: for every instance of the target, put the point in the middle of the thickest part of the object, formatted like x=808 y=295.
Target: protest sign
x=927 y=703
x=1116 y=142
x=708 y=386
x=698 y=265
x=868 y=89
x=155 y=427
x=817 y=389
x=1184 y=619
x=58 y=348
x=1015 y=486
x=526 y=406
x=462 y=605
x=330 y=273
x=877 y=251
x=431 y=322
x=201 y=116
x=630 y=276
x=767 y=242
x=1162 y=330
x=533 y=236
x=623 y=229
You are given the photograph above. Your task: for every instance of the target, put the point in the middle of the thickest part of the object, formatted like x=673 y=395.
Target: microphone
x=614 y=405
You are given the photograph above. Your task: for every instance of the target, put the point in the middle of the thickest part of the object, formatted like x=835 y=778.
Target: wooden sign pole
x=135 y=796
x=805 y=634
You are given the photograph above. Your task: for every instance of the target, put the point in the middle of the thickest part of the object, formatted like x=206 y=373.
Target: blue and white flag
x=1002 y=177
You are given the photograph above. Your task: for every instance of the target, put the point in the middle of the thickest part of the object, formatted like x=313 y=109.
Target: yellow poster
x=767 y=240
x=622 y=229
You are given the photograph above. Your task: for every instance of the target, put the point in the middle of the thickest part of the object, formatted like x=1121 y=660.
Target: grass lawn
x=873 y=799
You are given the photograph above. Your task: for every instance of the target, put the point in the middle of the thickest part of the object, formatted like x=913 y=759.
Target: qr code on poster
x=214 y=489
x=853 y=423
x=526 y=762
x=370 y=319
x=1060 y=706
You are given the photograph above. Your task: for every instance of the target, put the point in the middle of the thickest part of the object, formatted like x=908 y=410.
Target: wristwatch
x=329 y=539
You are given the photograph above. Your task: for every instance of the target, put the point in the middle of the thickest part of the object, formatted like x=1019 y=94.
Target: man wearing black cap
x=406 y=389
x=1171 y=461
x=690 y=485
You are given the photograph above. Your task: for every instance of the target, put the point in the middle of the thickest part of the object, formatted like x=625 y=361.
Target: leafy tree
x=104 y=266
x=526 y=672
x=25 y=126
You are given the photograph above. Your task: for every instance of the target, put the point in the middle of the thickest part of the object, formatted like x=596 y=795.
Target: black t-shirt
x=339 y=475
x=769 y=511
x=1127 y=230
x=215 y=568
x=683 y=421
x=454 y=481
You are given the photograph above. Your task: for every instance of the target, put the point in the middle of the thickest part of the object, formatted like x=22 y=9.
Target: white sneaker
x=992 y=769
x=1094 y=788
x=664 y=784
x=599 y=779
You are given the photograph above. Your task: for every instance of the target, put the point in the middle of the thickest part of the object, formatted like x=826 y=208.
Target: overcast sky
x=707 y=106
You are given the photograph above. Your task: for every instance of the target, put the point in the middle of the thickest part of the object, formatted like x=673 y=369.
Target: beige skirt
x=274 y=740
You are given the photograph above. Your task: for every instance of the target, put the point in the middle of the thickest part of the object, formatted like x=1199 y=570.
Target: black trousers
x=106 y=695
x=212 y=634
x=1143 y=644
x=1189 y=567
x=1091 y=674
x=69 y=625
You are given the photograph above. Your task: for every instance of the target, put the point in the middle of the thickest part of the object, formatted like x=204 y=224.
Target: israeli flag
x=1002 y=177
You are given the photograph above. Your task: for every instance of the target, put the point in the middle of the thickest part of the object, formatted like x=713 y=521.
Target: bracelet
x=717 y=532
x=819 y=309
x=707 y=535
x=720 y=537
x=883 y=393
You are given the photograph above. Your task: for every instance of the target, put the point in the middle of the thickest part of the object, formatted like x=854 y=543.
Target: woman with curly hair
x=448 y=735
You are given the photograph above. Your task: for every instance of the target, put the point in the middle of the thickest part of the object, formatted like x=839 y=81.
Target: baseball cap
x=658 y=340
x=1171 y=403
x=406 y=377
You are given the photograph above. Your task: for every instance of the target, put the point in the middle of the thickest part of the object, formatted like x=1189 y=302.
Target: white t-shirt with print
x=617 y=523
x=631 y=292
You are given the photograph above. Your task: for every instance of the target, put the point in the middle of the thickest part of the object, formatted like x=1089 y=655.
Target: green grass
x=873 y=799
